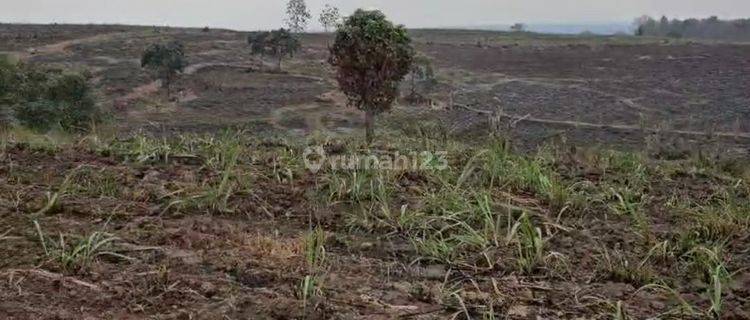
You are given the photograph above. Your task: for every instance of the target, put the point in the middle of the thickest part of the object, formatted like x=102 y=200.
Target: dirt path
x=142 y=91
x=153 y=87
x=554 y=83
x=328 y=105
x=619 y=127
x=310 y=112
x=62 y=46
x=194 y=68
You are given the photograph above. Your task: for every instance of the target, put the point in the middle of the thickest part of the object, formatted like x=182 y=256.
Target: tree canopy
x=277 y=43
x=42 y=99
x=329 y=17
x=371 y=56
x=709 y=28
x=297 y=15
x=518 y=27
x=166 y=60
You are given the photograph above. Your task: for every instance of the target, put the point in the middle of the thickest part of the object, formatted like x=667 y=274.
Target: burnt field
x=684 y=86
x=587 y=178
x=618 y=88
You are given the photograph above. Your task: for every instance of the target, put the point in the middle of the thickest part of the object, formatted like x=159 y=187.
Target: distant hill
x=564 y=28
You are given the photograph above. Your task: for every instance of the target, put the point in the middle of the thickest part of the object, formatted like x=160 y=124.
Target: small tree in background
x=421 y=71
x=258 y=42
x=278 y=43
x=371 y=56
x=165 y=60
x=518 y=27
x=297 y=15
x=329 y=17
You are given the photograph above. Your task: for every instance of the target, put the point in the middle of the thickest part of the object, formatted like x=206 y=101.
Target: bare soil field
x=606 y=81
x=177 y=218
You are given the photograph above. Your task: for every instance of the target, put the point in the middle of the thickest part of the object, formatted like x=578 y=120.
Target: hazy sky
x=260 y=14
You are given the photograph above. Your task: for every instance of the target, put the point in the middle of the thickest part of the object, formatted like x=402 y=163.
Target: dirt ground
x=173 y=261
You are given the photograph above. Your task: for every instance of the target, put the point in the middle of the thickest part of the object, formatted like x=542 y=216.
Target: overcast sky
x=264 y=14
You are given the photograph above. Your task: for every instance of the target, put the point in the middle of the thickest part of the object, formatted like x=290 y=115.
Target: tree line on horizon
x=708 y=28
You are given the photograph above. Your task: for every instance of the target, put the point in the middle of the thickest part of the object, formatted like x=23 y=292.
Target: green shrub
x=42 y=99
x=68 y=87
x=30 y=83
x=7 y=81
x=41 y=115
x=7 y=75
x=77 y=106
x=6 y=117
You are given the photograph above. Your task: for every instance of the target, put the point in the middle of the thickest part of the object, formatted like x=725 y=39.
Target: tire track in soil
x=313 y=114
x=312 y=118
x=628 y=102
x=195 y=68
x=153 y=87
x=619 y=127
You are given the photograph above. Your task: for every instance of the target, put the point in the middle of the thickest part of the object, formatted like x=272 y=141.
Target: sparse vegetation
x=492 y=211
x=530 y=244
x=77 y=256
x=315 y=254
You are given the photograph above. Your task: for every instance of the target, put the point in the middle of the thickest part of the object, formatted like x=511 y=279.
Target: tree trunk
x=278 y=65
x=413 y=85
x=369 y=126
x=168 y=85
x=328 y=44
